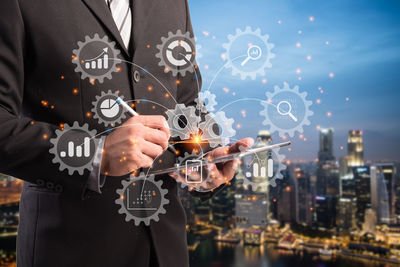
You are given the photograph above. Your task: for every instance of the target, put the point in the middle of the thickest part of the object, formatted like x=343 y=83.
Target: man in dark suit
x=72 y=220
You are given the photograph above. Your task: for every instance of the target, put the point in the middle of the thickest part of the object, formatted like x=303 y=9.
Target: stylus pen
x=134 y=113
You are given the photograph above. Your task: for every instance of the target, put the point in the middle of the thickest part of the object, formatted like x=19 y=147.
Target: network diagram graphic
x=142 y=199
x=96 y=58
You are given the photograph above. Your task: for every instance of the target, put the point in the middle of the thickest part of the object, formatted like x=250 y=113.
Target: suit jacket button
x=40 y=182
x=59 y=188
x=50 y=185
x=136 y=76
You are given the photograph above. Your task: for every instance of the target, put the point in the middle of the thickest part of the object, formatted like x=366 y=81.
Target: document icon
x=194 y=171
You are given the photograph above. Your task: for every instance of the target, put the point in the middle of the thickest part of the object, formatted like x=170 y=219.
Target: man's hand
x=135 y=144
x=222 y=172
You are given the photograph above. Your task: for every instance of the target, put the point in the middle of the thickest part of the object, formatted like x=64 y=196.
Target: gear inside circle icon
x=286 y=110
x=248 y=53
x=74 y=148
x=106 y=109
x=96 y=58
x=177 y=53
x=142 y=199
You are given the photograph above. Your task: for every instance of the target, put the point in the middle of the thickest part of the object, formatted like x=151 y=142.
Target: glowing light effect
x=311 y=18
x=331 y=75
x=298 y=44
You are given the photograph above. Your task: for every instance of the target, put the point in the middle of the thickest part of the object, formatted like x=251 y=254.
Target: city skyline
x=359 y=63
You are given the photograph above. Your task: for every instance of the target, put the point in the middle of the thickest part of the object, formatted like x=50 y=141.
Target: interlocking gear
x=106 y=110
x=142 y=199
x=266 y=181
x=267 y=55
x=217 y=129
x=74 y=148
x=177 y=53
x=183 y=121
x=206 y=179
x=96 y=58
x=204 y=106
x=294 y=118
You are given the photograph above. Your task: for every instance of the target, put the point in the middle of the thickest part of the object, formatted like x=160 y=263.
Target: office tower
x=355 y=148
x=287 y=205
x=383 y=192
x=346 y=214
x=222 y=207
x=326 y=145
x=251 y=210
x=362 y=184
x=328 y=182
x=370 y=222
x=325 y=211
x=304 y=201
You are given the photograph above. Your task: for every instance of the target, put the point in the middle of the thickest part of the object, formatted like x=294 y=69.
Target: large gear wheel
x=142 y=199
x=266 y=59
x=268 y=181
x=96 y=58
x=183 y=121
x=219 y=135
x=106 y=110
x=177 y=53
x=202 y=185
x=204 y=106
x=281 y=121
x=74 y=148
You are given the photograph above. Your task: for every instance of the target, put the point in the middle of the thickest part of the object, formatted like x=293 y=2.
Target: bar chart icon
x=99 y=62
x=81 y=150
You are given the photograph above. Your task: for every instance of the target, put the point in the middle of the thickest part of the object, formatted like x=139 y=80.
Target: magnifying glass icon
x=254 y=53
x=288 y=112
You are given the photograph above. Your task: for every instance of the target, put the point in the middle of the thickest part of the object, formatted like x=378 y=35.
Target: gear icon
x=248 y=164
x=74 y=148
x=183 y=121
x=217 y=129
x=142 y=199
x=286 y=110
x=96 y=58
x=259 y=53
x=177 y=53
x=106 y=109
x=200 y=186
x=201 y=101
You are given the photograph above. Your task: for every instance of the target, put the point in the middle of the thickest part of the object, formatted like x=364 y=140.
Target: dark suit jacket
x=59 y=227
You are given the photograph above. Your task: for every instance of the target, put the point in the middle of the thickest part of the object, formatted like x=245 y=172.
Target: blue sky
x=363 y=53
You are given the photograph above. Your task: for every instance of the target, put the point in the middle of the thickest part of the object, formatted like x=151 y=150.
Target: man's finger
x=154 y=121
x=245 y=143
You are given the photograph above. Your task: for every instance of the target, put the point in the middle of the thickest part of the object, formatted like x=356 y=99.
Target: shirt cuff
x=96 y=180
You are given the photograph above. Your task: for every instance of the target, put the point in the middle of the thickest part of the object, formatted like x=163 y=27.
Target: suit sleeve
x=188 y=91
x=24 y=143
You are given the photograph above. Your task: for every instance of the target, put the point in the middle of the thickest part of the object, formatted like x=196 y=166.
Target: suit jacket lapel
x=101 y=11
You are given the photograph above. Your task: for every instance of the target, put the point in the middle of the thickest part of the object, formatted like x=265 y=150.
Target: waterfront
x=215 y=254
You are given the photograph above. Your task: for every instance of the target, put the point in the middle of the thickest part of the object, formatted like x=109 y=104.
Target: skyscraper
x=326 y=145
x=355 y=148
x=362 y=184
x=346 y=214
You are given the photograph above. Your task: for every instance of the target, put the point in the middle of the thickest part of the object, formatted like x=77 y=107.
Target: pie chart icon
x=109 y=108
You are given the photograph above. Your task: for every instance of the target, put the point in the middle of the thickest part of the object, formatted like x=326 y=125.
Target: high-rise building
x=287 y=205
x=362 y=185
x=222 y=207
x=355 y=149
x=346 y=213
x=325 y=152
x=251 y=210
x=325 y=211
x=304 y=203
x=383 y=195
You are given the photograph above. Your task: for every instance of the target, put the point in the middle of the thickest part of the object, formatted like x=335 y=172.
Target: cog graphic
x=206 y=179
x=262 y=57
x=142 y=199
x=106 y=110
x=217 y=129
x=286 y=110
x=96 y=58
x=74 y=148
x=177 y=53
x=266 y=181
x=183 y=121
x=203 y=105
